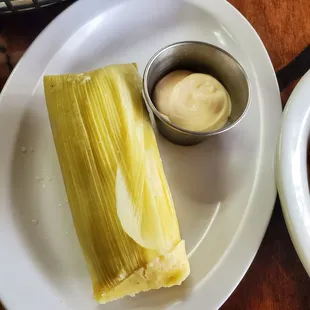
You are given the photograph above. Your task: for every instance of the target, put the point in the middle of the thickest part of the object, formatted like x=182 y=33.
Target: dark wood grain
x=283 y=26
x=18 y=31
x=276 y=279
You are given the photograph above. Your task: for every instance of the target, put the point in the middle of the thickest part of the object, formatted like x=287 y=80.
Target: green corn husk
x=120 y=201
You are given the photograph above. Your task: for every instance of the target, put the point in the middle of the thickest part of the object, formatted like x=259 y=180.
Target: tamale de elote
x=119 y=198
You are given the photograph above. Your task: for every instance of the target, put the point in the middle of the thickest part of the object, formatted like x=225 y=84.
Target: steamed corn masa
x=120 y=201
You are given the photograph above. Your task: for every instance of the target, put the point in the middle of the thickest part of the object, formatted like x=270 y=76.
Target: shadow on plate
x=199 y=171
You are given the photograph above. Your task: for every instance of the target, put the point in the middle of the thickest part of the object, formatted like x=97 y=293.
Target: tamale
x=118 y=194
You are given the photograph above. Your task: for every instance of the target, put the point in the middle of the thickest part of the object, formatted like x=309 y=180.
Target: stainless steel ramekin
x=197 y=57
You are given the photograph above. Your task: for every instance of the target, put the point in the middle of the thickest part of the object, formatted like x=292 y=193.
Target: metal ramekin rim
x=152 y=106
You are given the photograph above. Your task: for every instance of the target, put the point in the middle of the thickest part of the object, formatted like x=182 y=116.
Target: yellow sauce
x=192 y=101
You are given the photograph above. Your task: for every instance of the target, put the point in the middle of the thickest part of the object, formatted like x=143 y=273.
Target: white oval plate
x=224 y=189
x=292 y=178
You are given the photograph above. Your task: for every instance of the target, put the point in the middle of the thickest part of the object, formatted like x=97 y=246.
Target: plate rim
x=294 y=129
x=240 y=236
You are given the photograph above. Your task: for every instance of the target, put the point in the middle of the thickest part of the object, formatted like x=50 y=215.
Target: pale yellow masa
x=193 y=101
x=164 y=271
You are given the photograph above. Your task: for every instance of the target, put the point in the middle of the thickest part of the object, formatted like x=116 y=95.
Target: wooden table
x=276 y=279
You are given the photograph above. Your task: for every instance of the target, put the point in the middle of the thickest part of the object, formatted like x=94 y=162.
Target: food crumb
x=122 y=275
x=36 y=222
x=23 y=149
x=85 y=79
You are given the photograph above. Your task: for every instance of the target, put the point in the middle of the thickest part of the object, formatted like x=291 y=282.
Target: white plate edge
x=290 y=134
